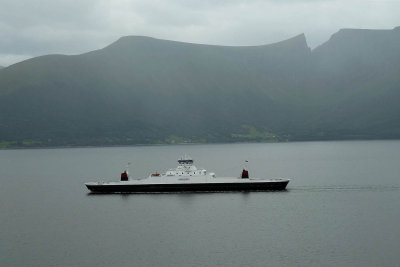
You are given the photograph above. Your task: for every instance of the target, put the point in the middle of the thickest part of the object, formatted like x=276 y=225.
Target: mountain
x=146 y=90
x=359 y=71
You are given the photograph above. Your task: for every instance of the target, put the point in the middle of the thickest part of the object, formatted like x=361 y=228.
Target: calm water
x=342 y=208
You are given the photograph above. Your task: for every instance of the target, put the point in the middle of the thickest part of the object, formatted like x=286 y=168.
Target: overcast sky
x=30 y=28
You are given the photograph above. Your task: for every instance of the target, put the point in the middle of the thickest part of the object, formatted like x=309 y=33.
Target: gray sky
x=31 y=28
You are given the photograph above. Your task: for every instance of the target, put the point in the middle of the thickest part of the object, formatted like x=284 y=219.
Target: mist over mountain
x=146 y=90
x=359 y=70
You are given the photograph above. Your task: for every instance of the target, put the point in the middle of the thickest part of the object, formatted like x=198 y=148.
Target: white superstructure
x=186 y=168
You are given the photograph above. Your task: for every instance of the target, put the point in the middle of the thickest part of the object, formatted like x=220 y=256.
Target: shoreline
x=193 y=143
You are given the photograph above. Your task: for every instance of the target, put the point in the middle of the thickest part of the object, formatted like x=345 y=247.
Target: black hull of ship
x=203 y=187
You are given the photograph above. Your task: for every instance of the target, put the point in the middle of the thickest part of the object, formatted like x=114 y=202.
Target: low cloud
x=33 y=28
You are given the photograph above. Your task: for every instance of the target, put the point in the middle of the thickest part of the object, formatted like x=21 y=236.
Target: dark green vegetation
x=143 y=90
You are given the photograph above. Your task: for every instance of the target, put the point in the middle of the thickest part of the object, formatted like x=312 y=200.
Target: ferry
x=187 y=178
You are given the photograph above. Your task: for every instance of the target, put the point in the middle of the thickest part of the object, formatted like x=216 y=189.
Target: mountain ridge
x=146 y=90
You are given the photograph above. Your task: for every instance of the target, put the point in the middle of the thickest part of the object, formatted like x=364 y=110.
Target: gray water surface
x=342 y=207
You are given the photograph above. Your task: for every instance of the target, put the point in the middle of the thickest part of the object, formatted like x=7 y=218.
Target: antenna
x=127 y=167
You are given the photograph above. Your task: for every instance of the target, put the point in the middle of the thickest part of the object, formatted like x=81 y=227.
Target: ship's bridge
x=186 y=168
x=185 y=162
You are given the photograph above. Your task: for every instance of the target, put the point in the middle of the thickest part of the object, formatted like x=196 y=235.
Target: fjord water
x=342 y=207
